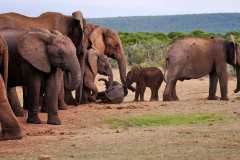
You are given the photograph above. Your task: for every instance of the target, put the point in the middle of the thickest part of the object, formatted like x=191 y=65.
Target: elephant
x=151 y=77
x=96 y=63
x=72 y=26
x=114 y=93
x=107 y=42
x=37 y=58
x=192 y=58
x=9 y=124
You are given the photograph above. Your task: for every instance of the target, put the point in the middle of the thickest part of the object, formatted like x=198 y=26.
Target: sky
x=120 y=8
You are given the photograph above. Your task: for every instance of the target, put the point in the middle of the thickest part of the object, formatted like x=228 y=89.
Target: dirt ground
x=83 y=134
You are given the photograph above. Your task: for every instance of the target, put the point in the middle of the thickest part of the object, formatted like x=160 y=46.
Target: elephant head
x=108 y=42
x=99 y=63
x=47 y=50
x=77 y=30
x=233 y=58
x=133 y=75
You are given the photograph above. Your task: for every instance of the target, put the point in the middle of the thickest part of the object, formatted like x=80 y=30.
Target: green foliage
x=153 y=120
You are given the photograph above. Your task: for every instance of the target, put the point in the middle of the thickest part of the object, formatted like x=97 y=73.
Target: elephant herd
x=53 y=54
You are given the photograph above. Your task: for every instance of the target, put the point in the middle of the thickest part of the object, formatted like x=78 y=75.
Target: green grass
x=152 y=120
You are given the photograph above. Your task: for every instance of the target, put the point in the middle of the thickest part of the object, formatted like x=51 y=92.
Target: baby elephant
x=151 y=77
x=114 y=92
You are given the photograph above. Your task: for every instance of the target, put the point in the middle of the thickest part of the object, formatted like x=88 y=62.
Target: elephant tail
x=165 y=70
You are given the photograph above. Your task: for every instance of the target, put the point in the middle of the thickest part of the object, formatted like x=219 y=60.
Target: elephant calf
x=151 y=77
x=114 y=92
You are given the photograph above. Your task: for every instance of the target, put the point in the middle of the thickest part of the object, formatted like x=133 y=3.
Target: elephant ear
x=97 y=39
x=92 y=60
x=32 y=48
x=78 y=16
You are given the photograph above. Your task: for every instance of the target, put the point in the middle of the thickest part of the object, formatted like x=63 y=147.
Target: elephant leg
x=51 y=97
x=14 y=102
x=142 y=91
x=33 y=95
x=153 y=94
x=10 y=126
x=68 y=97
x=174 y=92
x=61 y=102
x=223 y=80
x=169 y=90
x=85 y=95
x=137 y=93
x=213 y=80
x=25 y=100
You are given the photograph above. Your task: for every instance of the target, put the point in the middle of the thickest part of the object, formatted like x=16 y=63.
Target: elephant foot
x=33 y=118
x=43 y=110
x=169 y=98
x=18 y=111
x=10 y=134
x=54 y=120
x=224 y=99
x=62 y=105
x=213 y=98
x=65 y=107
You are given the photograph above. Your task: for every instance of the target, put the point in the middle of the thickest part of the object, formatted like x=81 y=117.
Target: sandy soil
x=83 y=134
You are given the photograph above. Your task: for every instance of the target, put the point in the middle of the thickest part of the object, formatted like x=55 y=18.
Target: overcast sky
x=115 y=8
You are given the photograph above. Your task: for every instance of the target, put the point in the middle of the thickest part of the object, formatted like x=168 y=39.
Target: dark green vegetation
x=149 y=49
x=217 y=23
x=153 y=120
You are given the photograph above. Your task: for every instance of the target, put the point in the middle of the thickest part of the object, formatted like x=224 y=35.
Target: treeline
x=217 y=23
x=149 y=49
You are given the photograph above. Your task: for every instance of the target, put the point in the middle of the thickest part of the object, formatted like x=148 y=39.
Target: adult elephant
x=37 y=58
x=105 y=41
x=192 y=58
x=72 y=26
x=10 y=126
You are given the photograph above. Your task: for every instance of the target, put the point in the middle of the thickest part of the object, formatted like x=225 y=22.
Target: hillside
x=222 y=22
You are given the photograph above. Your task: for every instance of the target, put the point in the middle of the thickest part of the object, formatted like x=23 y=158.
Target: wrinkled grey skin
x=70 y=25
x=10 y=128
x=95 y=63
x=192 y=58
x=113 y=94
x=40 y=56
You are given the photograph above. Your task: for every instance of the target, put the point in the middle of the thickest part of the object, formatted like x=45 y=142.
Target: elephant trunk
x=122 y=69
x=110 y=79
x=73 y=75
x=238 y=79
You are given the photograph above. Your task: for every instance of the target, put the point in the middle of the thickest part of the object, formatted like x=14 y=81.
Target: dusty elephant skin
x=151 y=77
x=113 y=94
x=72 y=26
x=10 y=126
x=192 y=58
x=40 y=56
x=96 y=63
x=107 y=42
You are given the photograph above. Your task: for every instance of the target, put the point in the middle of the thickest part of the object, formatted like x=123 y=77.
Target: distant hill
x=221 y=22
